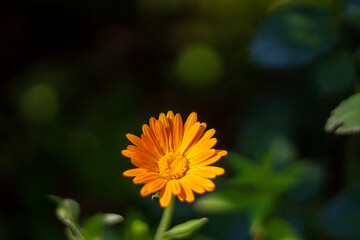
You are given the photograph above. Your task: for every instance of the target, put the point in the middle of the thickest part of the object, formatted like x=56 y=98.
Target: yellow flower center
x=173 y=166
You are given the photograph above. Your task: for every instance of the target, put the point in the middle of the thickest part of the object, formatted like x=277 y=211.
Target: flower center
x=173 y=166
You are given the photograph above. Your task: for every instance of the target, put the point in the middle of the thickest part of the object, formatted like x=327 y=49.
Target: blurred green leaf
x=224 y=202
x=138 y=230
x=279 y=229
x=334 y=74
x=345 y=118
x=311 y=177
x=70 y=236
x=68 y=211
x=341 y=216
x=263 y=175
x=185 y=230
x=56 y=199
x=94 y=226
x=261 y=205
x=292 y=36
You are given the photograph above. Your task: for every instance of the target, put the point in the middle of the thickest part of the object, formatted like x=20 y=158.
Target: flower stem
x=165 y=220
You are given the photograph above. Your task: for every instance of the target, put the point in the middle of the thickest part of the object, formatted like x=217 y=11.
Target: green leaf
x=94 y=226
x=185 y=229
x=345 y=118
x=223 y=202
x=279 y=229
x=68 y=211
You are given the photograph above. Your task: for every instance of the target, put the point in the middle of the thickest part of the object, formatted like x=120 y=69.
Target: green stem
x=165 y=220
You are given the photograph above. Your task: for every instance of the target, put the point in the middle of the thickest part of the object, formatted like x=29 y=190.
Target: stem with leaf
x=165 y=220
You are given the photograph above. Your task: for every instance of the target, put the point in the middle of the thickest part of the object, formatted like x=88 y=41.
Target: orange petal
x=207 y=184
x=170 y=114
x=196 y=138
x=164 y=120
x=126 y=153
x=189 y=137
x=145 y=178
x=205 y=173
x=151 y=146
x=187 y=190
x=161 y=136
x=134 y=139
x=134 y=172
x=190 y=121
x=174 y=186
x=210 y=161
x=144 y=164
x=199 y=148
x=217 y=170
x=223 y=153
x=207 y=135
x=146 y=190
x=142 y=153
x=157 y=184
x=177 y=131
x=191 y=183
x=202 y=157
x=165 y=196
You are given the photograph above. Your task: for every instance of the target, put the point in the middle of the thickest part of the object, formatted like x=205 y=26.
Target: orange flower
x=174 y=158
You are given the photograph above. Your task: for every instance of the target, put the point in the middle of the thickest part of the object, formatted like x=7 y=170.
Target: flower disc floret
x=173 y=166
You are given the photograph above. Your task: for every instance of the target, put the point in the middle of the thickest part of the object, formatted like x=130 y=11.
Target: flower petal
x=157 y=184
x=205 y=173
x=190 y=121
x=187 y=190
x=174 y=186
x=177 y=132
x=202 y=147
x=161 y=136
x=191 y=183
x=146 y=190
x=189 y=136
x=145 y=178
x=134 y=172
x=209 y=161
x=202 y=157
x=170 y=114
x=134 y=140
x=207 y=184
x=165 y=196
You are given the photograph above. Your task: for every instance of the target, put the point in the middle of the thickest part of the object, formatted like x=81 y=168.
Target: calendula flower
x=174 y=158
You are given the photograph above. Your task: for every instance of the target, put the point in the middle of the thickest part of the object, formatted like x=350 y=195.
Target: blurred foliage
x=257 y=188
x=94 y=228
x=294 y=36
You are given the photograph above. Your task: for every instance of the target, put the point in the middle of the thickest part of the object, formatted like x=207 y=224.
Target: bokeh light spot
x=199 y=66
x=40 y=103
